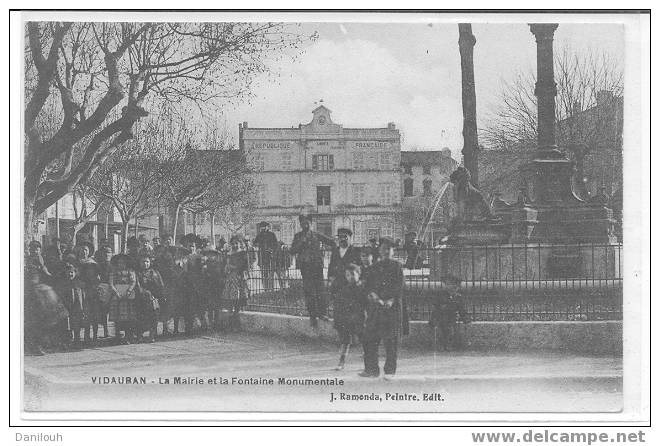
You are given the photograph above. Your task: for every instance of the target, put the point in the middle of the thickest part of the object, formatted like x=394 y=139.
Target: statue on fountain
x=470 y=202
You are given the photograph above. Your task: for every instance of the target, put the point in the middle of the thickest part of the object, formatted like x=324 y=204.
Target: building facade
x=424 y=175
x=344 y=177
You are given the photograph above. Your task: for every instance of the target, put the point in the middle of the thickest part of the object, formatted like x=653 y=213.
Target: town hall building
x=343 y=177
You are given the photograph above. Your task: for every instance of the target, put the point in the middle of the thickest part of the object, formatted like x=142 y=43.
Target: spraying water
x=429 y=215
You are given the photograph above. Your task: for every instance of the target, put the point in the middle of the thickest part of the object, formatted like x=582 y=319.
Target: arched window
x=428 y=185
x=408 y=187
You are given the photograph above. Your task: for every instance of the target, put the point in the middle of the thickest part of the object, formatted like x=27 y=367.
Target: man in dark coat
x=384 y=312
x=306 y=246
x=342 y=255
x=267 y=243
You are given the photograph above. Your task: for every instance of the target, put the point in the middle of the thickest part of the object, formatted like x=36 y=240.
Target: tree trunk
x=29 y=219
x=177 y=210
x=57 y=219
x=194 y=216
x=75 y=228
x=124 y=234
x=136 y=227
x=213 y=230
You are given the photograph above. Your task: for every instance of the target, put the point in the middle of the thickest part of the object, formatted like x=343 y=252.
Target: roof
x=419 y=157
x=321 y=107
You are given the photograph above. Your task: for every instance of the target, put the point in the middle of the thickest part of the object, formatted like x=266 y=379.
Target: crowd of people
x=72 y=294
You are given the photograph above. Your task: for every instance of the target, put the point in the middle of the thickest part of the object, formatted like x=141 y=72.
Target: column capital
x=543 y=31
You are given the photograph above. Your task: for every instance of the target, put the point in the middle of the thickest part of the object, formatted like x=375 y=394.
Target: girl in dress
x=150 y=289
x=235 y=292
x=124 y=308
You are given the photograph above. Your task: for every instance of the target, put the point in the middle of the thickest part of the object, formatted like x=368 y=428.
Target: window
x=324 y=227
x=287 y=232
x=258 y=161
x=407 y=169
x=408 y=187
x=358 y=160
x=323 y=162
x=323 y=195
x=387 y=230
x=286 y=160
x=386 y=194
x=261 y=195
x=426 y=170
x=385 y=161
x=428 y=186
x=359 y=232
x=359 y=197
x=286 y=194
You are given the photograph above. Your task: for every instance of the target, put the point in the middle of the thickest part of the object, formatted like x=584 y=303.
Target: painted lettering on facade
x=372 y=145
x=271 y=145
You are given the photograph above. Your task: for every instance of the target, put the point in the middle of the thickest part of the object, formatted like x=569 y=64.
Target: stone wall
x=528 y=262
x=597 y=338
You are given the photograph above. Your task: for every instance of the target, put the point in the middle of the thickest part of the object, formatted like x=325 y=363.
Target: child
x=235 y=292
x=366 y=262
x=72 y=292
x=384 y=312
x=124 y=308
x=447 y=312
x=150 y=286
x=348 y=310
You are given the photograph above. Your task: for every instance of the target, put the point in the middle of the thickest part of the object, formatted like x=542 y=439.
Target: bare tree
x=129 y=179
x=588 y=86
x=86 y=206
x=205 y=180
x=102 y=78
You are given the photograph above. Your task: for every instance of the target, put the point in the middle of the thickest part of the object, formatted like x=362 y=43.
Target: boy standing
x=384 y=312
x=348 y=310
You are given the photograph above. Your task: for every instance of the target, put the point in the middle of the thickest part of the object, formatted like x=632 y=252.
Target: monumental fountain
x=576 y=237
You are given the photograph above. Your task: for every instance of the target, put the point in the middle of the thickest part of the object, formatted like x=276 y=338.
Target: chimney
x=391 y=126
x=245 y=124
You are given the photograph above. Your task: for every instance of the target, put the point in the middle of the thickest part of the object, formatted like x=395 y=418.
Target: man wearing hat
x=384 y=320
x=267 y=243
x=306 y=246
x=342 y=255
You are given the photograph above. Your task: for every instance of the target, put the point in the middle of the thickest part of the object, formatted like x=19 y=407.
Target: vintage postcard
x=284 y=215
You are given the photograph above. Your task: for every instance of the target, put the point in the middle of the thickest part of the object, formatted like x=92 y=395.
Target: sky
x=370 y=74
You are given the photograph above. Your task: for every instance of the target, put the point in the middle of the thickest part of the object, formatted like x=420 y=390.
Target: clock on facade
x=321 y=120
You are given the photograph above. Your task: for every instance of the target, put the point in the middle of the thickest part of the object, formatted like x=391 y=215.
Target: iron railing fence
x=498 y=282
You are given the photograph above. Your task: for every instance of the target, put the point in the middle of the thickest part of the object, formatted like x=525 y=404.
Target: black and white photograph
x=282 y=214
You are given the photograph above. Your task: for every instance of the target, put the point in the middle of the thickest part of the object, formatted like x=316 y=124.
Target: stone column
x=546 y=89
x=466 y=41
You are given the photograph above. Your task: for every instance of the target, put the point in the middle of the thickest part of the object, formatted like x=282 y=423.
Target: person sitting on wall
x=447 y=312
